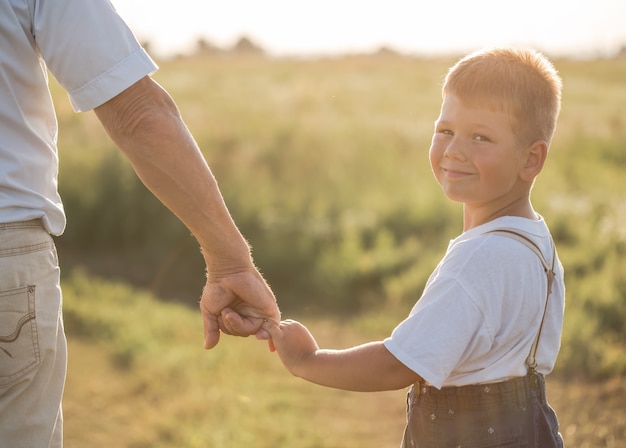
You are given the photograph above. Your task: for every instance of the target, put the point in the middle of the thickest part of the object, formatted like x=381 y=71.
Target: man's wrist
x=222 y=265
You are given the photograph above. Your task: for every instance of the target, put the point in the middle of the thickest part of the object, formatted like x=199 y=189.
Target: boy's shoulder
x=485 y=246
x=491 y=246
x=489 y=263
x=535 y=230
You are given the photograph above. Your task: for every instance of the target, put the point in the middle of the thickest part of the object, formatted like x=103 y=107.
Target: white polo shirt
x=94 y=56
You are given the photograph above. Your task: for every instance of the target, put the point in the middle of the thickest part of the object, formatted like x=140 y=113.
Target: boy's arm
x=365 y=368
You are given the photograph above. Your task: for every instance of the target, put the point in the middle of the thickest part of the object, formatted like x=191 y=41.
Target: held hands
x=237 y=304
x=242 y=304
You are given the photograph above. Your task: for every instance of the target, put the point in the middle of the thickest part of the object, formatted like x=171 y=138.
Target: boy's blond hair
x=522 y=83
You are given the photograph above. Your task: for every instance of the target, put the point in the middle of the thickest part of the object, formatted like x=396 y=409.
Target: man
x=95 y=57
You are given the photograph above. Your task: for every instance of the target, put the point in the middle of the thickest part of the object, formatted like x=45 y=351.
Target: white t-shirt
x=94 y=56
x=481 y=309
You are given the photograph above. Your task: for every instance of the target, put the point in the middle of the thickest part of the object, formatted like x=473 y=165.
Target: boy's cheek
x=434 y=156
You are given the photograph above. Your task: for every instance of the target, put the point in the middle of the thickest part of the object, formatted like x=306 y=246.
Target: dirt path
x=591 y=415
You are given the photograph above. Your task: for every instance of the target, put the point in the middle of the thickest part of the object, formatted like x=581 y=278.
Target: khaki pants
x=33 y=352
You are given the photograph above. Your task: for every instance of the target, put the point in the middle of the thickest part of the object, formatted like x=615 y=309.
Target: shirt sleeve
x=89 y=49
x=444 y=327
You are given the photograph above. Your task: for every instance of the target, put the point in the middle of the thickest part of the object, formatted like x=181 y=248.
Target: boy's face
x=474 y=157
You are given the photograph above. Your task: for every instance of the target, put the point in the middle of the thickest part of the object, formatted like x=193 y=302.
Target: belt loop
x=522 y=392
x=541 y=387
x=451 y=401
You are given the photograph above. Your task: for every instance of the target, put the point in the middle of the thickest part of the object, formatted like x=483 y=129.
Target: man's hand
x=247 y=301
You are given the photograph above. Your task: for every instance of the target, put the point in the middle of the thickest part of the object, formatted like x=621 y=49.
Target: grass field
x=149 y=383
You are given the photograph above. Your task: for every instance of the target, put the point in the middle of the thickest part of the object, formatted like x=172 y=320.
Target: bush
x=324 y=167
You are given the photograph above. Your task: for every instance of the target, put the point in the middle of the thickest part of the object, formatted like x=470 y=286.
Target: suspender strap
x=549 y=270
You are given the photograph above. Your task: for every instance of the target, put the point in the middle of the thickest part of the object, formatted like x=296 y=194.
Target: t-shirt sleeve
x=89 y=49
x=444 y=327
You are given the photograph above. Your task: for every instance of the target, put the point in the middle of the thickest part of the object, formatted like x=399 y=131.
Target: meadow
x=139 y=378
x=323 y=164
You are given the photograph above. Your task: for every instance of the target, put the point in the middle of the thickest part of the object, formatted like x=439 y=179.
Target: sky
x=575 y=28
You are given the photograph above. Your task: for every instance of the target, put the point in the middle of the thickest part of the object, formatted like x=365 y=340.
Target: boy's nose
x=455 y=149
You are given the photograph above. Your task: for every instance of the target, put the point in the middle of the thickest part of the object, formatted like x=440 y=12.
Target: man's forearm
x=145 y=124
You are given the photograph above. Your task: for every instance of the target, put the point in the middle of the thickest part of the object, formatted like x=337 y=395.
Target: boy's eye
x=445 y=131
x=481 y=138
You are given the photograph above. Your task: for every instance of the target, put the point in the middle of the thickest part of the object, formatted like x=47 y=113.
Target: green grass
x=139 y=377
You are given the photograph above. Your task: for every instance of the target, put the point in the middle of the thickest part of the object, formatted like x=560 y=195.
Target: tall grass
x=138 y=377
x=324 y=167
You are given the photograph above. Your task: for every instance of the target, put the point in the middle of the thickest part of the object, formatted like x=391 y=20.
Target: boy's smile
x=475 y=159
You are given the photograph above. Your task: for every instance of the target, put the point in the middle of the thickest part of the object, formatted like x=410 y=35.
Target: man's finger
x=211 y=330
x=240 y=325
x=264 y=335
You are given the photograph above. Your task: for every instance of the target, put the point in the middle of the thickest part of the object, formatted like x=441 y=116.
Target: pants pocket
x=19 y=348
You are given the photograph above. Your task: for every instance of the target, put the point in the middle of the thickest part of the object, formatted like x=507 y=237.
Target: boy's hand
x=293 y=342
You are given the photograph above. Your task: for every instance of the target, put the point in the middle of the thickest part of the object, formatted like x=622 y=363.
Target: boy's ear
x=536 y=155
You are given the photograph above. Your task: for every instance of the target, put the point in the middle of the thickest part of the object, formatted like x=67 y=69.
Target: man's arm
x=365 y=368
x=144 y=122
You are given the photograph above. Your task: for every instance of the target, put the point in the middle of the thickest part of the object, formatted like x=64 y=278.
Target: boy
x=470 y=347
